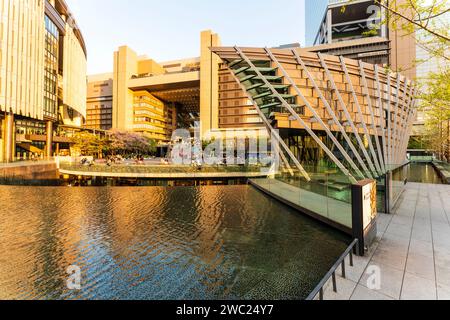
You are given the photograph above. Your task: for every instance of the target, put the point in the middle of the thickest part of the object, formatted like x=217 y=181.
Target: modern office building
x=365 y=21
x=331 y=110
x=354 y=101
x=42 y=76
x=157 y=97
x=99 y=102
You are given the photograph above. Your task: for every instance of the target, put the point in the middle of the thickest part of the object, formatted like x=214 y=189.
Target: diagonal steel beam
x=409 y=124
x=369 y=103
x=382 y=118
x=313 y=111
x=361 y=118
x=403 y=119
x=344 y=108
x=388 y=92
x=394 y=132
x=296 y=116
x=274 y=133
x=412 y=115
x=335 y=118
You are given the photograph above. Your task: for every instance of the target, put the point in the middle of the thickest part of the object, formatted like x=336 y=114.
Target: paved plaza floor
x=411 y=257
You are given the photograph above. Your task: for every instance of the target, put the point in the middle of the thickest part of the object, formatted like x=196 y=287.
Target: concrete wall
x=125 y=66
x=99 y=102
x=28 y=173
x=209 y=82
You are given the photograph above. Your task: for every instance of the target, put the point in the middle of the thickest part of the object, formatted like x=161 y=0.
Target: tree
x=429 y=21
x=127 y=143
x=436 y=106
x=88 y=144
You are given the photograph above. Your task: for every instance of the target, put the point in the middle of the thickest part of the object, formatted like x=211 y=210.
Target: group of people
x=114 y=160
x=86 y=162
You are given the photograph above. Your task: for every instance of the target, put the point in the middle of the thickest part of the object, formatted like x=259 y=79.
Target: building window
x=51 y=52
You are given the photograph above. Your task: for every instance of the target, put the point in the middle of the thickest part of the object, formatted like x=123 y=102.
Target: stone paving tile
x=424 y=248
x=390 y=258
x=422 y=234
x=443 y=276
x=443 y=292
x=345 y=289
x=417 y=288
x=403 y=220
x=391 y=280
x=441 y=238
x=421 y=265
x=362 y=293
x=412 y=251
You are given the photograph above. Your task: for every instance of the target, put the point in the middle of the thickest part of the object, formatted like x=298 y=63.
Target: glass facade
x=51 y=69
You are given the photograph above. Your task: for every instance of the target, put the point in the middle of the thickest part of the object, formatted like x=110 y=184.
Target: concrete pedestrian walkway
x=411 y=254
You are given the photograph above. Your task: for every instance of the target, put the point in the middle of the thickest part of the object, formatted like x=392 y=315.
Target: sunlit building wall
x=42 y=75
x=99 y=102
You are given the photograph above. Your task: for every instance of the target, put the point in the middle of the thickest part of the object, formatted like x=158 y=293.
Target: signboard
x=369 y=204
x=364 y=213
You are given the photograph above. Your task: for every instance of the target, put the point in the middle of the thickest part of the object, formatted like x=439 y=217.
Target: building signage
x=369 y=192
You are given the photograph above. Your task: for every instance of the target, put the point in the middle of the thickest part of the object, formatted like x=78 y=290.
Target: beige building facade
x=42 y=76
x=99 y=102
x=206 y=90
x=156 y=98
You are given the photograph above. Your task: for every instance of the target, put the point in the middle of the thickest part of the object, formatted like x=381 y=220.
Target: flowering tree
x=126 y=143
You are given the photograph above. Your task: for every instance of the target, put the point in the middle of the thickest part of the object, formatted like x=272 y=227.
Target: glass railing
x=158 y=169
x=398 y=183
x=327 y=194
x=421 y=158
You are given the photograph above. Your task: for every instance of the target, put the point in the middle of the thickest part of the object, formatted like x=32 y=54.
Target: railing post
x=343 y=269
x=387 y=192
x=334 y=282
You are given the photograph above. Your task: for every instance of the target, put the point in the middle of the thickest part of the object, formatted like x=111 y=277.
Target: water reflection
x=423 y=173
x=225 y=242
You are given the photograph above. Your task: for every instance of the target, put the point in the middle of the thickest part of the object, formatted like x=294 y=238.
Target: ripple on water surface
x=224 y=242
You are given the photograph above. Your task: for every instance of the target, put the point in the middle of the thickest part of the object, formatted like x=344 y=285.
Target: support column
x=49 y=139
x=209 y=82
x=8 y=138
x=329 y=27
x=388 y=191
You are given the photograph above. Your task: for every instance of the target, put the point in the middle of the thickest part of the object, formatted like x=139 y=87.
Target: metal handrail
x=332 y=273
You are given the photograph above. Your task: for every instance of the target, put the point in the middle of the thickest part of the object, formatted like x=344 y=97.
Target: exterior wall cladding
x=99 y=102
x=42 y=74
x=359 y=109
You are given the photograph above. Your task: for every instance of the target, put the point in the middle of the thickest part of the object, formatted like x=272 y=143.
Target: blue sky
x=315 y=13
x=170 y=29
